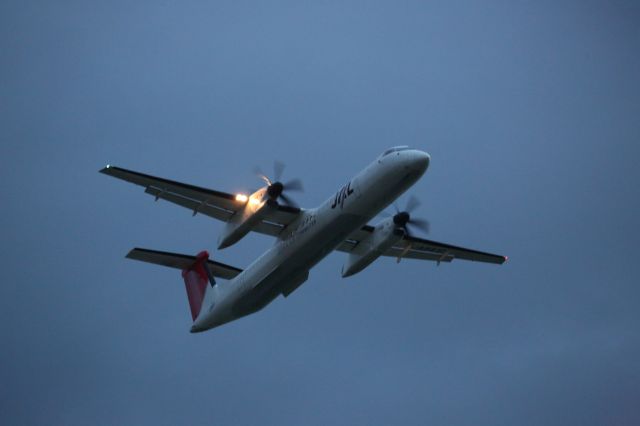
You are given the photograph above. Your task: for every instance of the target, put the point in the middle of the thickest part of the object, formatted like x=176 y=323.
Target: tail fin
x=196 y=271
x=195 y=281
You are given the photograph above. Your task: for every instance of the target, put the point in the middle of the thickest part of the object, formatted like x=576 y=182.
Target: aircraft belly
x=297 y=260
x=324 y=240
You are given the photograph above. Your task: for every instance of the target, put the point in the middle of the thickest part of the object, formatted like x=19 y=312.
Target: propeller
x=404 y=220
x=276 y=188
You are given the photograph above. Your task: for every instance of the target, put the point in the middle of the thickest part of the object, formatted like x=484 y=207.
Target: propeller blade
x=395 y=206
x=294 y=185
x=275 y=187
x=258 y=171
x=278 y=168
x=412 y=204
x=288 y=201
x=421 y=224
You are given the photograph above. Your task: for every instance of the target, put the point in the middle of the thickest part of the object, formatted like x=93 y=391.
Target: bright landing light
x=242 y=198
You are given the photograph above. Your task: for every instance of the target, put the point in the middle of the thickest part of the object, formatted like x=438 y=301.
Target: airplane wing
x=216 y=204
x=419 y=248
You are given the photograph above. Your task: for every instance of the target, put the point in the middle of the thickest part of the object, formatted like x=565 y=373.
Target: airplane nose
x=420 y=160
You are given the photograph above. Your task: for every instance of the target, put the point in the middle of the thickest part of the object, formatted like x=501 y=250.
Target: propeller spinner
x=403 y=218
x=276 y=188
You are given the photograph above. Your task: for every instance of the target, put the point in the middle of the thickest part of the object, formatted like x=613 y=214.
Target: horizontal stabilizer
x=182 y=261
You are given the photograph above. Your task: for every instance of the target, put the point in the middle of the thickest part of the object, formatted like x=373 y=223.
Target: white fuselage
x=316 y=233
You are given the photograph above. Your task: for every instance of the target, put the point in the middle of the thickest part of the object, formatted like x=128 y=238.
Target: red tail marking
x=195 y=281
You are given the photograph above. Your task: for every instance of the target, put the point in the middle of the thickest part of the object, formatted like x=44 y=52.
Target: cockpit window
x=395 y=149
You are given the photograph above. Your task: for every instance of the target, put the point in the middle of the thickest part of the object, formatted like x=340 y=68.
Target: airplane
x=303 y=236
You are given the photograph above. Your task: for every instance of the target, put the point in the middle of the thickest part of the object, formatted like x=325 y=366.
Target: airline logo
x=342 y=195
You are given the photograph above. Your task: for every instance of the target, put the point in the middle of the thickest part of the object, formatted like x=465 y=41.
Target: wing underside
x=419 y=248
x=209 y=202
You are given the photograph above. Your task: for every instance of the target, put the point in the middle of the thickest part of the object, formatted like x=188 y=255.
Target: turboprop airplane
x=303 y=236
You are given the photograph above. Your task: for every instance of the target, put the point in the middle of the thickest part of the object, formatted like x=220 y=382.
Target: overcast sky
x=530 y=111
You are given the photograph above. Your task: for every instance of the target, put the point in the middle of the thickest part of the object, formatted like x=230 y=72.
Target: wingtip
x=105 y=169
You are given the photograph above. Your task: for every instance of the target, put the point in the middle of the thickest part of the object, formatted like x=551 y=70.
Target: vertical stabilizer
x=195 y=282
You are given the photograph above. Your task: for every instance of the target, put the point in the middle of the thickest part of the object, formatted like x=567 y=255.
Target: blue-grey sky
x=530 y=111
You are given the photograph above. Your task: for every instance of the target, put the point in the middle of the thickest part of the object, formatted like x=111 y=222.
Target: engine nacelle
x=384 y=236
x=246 y=219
